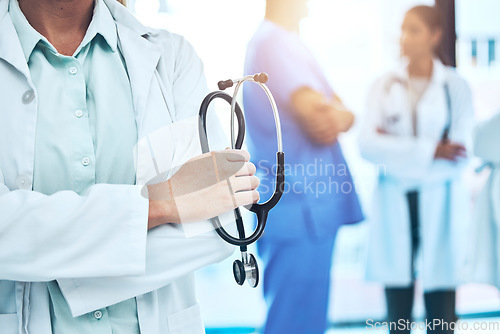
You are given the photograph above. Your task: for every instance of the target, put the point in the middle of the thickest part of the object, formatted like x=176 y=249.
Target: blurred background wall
x=355 y=41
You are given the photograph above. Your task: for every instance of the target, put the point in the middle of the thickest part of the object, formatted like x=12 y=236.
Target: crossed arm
x=322 y=118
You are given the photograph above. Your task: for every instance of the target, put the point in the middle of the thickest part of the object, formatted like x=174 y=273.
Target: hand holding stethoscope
x=245 y=269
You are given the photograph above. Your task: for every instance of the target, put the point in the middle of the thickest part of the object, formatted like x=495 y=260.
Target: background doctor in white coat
x=420 y=202
x=486 y=238
x=108 y=244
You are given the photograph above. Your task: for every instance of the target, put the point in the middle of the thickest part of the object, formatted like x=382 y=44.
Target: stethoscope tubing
x=260 y=209
x=446 y=87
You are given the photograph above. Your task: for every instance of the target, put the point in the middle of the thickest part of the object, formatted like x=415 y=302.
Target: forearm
x=321 y=119
x=405 y=157
x=324 y=129
x=345 y=116
x=169 y=256
x=47 y=237
x=344 y=119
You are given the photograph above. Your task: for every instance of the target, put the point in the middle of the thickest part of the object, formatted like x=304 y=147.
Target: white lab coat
x=97 y=245
x=406 y=162
x=486 y=237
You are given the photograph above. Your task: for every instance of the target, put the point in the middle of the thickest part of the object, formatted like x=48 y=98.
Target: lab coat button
x=28 y=96
x=73 y=70
x=85 y=161
x=23 y=182
x=78 y=113
x=98 y=315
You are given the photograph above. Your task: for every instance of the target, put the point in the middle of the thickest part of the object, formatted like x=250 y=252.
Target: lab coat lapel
x=141 y=58
x=10 y=46
x=432 y=108
x=397 y=106
x=439 y=72
x=436 y=83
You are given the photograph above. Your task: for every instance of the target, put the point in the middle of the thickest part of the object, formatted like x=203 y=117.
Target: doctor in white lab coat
x=420 y=215
x=97 y=245
x=486 y=237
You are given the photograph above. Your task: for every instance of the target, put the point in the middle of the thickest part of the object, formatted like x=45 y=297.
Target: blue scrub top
x=319 y=194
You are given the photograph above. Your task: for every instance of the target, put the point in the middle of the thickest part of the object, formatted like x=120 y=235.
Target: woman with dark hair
x=416 y=127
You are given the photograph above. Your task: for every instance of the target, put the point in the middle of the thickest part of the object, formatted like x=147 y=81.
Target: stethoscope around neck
x=245 y=269
x=445 y=137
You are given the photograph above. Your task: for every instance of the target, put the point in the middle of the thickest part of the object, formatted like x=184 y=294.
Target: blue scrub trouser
x=296 y=284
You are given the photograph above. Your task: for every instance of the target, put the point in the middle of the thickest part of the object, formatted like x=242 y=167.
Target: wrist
x=162 y=212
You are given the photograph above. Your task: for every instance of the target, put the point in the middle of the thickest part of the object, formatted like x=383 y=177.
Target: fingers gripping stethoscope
x=245 y=269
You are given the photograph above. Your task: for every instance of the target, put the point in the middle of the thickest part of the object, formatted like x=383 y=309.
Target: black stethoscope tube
x=261 y=210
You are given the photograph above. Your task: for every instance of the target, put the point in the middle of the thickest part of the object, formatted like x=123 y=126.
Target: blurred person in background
x=319 y=194
x=486 y=220
x=420 y=215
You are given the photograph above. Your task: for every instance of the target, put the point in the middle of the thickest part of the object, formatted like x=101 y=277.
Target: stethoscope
x=397 y=80
x=245 y=269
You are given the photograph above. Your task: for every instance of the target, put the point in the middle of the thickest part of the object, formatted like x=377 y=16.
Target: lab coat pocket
x=9 y=323
x=187 y=321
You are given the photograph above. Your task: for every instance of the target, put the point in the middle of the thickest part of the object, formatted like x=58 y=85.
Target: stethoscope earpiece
x=225 y=84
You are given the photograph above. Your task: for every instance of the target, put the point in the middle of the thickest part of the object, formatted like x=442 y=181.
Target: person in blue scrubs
x=319 y=194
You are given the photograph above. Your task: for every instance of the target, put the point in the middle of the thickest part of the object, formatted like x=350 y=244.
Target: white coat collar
x=122 y=15
x=102 y=23
x=10 y=46
x=119 y=12
x=141 y=56
x=438 y=72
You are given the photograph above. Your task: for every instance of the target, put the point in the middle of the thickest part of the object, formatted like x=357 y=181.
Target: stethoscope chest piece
x=246 y=269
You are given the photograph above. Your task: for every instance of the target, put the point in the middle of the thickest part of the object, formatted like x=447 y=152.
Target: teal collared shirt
x=85 y=134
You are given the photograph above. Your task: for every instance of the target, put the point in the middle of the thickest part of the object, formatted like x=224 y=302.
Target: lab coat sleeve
x=487 y=139
x=190 y=88
x=403 y=157
x=170 y=254
x=100 y=234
